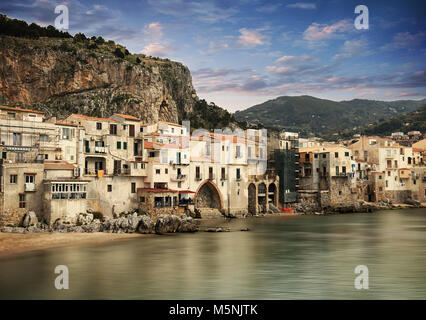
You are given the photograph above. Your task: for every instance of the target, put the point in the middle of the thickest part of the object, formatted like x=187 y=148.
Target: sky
x=241 y=53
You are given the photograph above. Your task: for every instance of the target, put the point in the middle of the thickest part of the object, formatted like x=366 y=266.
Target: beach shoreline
x=12 y=244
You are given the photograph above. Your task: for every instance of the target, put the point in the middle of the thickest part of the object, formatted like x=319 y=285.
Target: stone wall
x=398 y=196
x=12 y=217
x=341 y=192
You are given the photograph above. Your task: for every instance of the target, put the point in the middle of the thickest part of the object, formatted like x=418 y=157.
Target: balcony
x=121 y=171
x=94 y=172
x=178 y=177
x=30 y=187
x=96 y=150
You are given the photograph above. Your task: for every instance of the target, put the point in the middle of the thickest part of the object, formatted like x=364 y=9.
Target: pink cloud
x=251 y=38
x=156 y=49
x=320 y=32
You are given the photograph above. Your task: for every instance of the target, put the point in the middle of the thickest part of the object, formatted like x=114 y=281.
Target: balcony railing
x=30 y=187
x=95 y=150
x=94 y=172
x=178 y=177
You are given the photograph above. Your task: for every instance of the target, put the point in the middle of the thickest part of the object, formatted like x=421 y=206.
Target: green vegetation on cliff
x=413 y=121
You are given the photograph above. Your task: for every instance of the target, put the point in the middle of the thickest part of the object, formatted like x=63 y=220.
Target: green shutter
x=118 y=144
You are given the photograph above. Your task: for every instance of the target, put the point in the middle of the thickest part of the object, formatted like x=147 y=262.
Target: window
x=238 y=174
x=98 y=125
x=337 y=170
x=142 y=165
x=181 y=131
x=152 y=154
x=343 y=169
x=43 y=138
x=238 y=152
x=135 y=165
x=109 y=188
x=133 y=187
x=223 y=175
x=324 y=155
x=125 y=145
x=173 y=130
x=112 y=129
x=316 y=156
x=13 y=178
x=166 y=171
x=142 y=199
x=346 y=154
x=17 y=139
x=4 y=155
x=11 y=115
x=380 y=189
x=22 y=203
x=197 y=173
x=118 y=145
x=66 y=133
x=157 y=171
x=29 y=178
x=46 y=156
x=336 y=154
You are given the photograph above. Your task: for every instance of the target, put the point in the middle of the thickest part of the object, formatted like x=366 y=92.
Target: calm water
x=303 y=257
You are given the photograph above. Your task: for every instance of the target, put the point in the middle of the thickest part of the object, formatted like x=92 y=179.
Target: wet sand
x=12 y=244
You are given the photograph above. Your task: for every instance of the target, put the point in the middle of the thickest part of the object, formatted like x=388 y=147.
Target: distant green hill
x=413 y=121
x=321 y=117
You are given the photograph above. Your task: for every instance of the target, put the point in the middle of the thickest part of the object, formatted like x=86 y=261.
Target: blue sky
x=241 y=53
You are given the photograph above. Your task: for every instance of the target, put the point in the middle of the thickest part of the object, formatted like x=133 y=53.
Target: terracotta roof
x=20 y=109
x=417 y=150
x=156 y=190
x=171 y=123
x=126 y=116
x=58 y=165
x=147 y=124
x=63 y=123
x=92 y=118
x=148 y=145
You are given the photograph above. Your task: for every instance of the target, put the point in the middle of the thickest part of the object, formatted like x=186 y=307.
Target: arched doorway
x=252 y=203
x=272 y=194
x=262 y=196
x=208 y=196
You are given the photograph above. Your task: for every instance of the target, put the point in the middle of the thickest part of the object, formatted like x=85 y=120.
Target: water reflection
x=306 y=257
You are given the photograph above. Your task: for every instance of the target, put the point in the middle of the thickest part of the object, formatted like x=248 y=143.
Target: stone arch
x=252 y=199
x=262 y=196
x=272 y=193
x=208 y=195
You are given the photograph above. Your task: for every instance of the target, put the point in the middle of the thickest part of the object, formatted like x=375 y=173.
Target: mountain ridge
x=314 y=116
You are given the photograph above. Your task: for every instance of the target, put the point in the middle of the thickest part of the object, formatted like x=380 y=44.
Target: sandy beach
x=12 y=244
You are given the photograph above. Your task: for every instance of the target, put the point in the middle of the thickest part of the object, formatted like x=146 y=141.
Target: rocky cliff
x=64 y=76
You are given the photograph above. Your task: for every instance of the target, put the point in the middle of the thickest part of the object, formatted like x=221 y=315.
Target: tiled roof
x=126 y=116
x=92 y=118
x=148 y=145
x=20 y=109
x=171 y=123
x=63 y=123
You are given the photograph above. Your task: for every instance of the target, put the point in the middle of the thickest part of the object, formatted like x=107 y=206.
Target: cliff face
x=61 y=76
